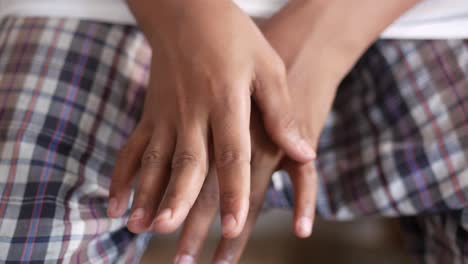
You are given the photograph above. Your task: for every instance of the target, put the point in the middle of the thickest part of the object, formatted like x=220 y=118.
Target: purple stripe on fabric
x=358 y=199
x=95 y=39
x=419 y=180
x=2 y=49
x=82 y=108
x=100 y=249
x=409 y=155
x=94 y=128
x=12 y=170
x=378 y=158
x=451 y=83
x=51 y=150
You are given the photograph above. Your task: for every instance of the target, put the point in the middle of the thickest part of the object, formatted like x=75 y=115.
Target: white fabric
x=430 y=19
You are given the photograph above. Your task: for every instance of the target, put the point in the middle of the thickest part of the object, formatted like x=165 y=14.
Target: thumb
x=272 y=96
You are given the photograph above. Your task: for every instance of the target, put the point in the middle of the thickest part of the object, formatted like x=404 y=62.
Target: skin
x=314 y=72
x=197 y=114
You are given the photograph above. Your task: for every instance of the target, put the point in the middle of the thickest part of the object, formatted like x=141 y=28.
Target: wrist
x=163 y=19
x=341 y=29
x=153 y=16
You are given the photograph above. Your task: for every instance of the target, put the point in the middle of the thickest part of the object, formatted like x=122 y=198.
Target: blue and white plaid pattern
x=70 y=94
x=395 y=144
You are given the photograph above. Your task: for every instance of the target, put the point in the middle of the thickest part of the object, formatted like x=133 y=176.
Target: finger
x=230 y=250
x=189 y=169
x=304 y=180
x=198 y=222
x=271 y=93
x=153 y=178
x=126 y=166
x=231 y=138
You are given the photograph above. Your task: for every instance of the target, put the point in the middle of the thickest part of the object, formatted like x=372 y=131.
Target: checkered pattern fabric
x=395 y=144
x=70 y=94
x=397 y=140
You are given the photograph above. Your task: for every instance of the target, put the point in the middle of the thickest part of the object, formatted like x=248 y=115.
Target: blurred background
x=373 y=240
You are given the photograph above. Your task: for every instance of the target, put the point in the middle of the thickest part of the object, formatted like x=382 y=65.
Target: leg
x=396 y=144
x=70 y=93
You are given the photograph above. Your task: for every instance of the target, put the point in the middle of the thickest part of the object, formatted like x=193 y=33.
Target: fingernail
x=113 y=207
x=307 y=149
x=137 y=214
x=304 y=226
x=222 y=262
x=184 y=259
x=229 y=224
x=164 y=215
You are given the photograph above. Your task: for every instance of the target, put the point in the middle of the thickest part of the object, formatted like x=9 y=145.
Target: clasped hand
x=218 y=120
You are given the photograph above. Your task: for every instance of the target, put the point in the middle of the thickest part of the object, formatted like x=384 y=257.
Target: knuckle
x=153 y=157
x=230 y=156
x=185 y=159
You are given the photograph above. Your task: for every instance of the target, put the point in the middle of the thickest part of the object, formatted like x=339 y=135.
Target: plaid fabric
x=396 y=142
x=70 y=94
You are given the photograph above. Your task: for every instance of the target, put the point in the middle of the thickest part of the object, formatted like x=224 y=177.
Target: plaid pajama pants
x=71 y=91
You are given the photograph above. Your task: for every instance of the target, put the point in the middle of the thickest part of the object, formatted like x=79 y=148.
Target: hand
x=204 y=71
x=265 y=160
x=314 y=73
x=327 y=39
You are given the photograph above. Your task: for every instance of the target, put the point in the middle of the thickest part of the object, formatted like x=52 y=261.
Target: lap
x=396 y=140
x=396 y=145
x=70 y=93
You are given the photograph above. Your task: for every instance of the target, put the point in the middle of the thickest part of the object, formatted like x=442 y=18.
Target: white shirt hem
x=114 y=11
